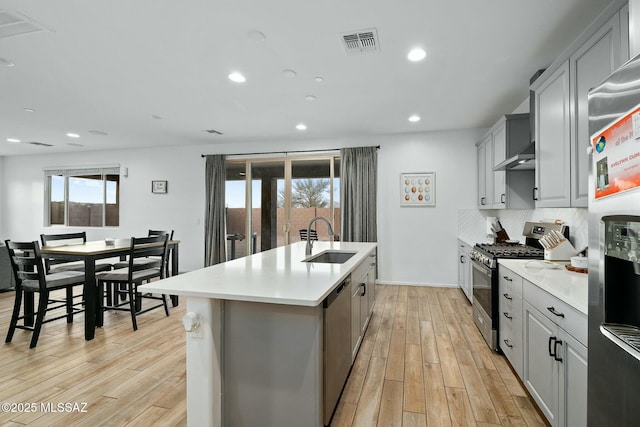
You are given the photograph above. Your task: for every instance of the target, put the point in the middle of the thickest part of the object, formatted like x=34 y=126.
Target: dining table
x=89 y=253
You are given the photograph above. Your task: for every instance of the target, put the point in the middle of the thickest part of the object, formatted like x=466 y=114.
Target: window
x=83 y=197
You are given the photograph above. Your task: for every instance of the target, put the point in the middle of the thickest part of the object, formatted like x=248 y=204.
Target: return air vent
x=213 y=132
x=41 y=144
x=15 y=24
x=359 y=42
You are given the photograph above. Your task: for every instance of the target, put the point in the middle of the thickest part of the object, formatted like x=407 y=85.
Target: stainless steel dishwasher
x=337 y=345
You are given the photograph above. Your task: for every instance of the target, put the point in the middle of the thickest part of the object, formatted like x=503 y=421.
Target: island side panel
x=272 y=365
x=204 y=355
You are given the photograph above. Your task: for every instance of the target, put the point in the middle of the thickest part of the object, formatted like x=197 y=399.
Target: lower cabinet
x=510 y=317
x=464 y=269
x=362 y=299
x=555 y=362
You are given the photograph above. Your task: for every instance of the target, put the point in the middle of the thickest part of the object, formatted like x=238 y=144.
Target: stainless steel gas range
x=485 y=274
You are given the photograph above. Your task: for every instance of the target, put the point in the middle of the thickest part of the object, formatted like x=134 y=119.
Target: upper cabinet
x=552 y=141
x=591 y=64
x=499 y=189
x=562 y=119
x=485 y=173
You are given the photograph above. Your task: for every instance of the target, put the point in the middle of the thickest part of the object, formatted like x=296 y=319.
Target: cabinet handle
x=555 y=351
x=364 y=289
x=508 y=344
x=535 y=193
x=482 y=200
x=341 y=288
x=461 y=259
x=507 y=315
x=507 y=296
x=503 y=198
x=373 y=264
x=552 y=340
x=553 y=311
x=507 y=278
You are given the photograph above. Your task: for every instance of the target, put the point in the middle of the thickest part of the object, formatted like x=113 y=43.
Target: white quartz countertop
x=568 y=286
x=277 y=276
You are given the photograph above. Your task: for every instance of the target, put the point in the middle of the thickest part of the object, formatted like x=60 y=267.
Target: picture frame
x=418 y=189
x=159 y=187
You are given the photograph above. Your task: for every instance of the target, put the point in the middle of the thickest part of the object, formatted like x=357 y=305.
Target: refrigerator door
x=614 y=375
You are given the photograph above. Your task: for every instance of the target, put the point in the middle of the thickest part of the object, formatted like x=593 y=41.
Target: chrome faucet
x=309 y=241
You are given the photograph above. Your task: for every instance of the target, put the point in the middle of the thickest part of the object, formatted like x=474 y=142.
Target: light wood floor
x=422 y=363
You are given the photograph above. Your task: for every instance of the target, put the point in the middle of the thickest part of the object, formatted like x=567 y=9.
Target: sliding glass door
x=284 y=194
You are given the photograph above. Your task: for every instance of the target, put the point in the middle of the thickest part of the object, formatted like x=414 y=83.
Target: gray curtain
x=358 y=194
x=215 y=228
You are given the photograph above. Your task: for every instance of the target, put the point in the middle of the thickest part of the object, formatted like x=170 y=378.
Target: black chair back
x=61 y=240
x=144 y=247
x=26 y=262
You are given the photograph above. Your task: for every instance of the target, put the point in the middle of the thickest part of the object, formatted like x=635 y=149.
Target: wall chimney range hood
x=524 y=160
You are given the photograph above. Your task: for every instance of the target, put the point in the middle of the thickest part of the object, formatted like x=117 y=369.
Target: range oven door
x=485 y=292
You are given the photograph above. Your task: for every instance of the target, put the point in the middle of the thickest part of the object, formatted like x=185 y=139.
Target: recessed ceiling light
x=416 y=54
x=73 y=135
x=301 y=126
x=256 y=36
x=237 y=77
x=6 y=62
x=310 y=98
x=13 y=140
x=29 y=110
x=319 y=79
x=289 y=73
x=414 y=118
x=98 y=132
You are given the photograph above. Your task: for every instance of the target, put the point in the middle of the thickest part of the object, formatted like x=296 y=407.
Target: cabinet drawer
x=510 y=281
x=511 y=343
x=464 y=247
x=559 y=312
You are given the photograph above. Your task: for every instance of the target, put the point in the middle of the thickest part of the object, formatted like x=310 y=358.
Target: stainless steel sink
x=331 y=257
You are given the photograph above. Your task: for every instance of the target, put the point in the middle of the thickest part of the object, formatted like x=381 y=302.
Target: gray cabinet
x=593 y=62
x=362 y=300
x=555 y=357
x=562 y=134
x=510 y=317
x=485 y=174
x=499 y=189
x=464 y=269
x=552 y=129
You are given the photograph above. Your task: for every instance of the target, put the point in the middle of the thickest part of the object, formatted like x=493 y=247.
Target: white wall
x=416 y=245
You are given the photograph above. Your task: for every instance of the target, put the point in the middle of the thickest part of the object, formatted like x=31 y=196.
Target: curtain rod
x=282 y=152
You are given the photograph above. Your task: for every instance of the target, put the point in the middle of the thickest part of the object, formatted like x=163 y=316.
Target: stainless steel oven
x=484 y=281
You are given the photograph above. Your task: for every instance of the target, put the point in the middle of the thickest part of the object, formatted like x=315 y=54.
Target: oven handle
x=483 y=268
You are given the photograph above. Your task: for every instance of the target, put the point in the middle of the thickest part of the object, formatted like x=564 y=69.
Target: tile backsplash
x=472 y=223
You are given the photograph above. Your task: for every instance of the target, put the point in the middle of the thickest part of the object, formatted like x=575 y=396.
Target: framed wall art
x=159 y=187
x=418 y=189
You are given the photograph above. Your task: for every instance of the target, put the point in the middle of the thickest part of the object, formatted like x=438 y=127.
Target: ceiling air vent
x=15 y=24
x=41 y=144
x=213 y=132
x=360 y=42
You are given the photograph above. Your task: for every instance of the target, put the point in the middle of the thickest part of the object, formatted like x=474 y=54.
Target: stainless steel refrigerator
x=614 y=250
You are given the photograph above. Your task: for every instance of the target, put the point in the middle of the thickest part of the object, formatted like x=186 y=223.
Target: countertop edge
x=161 y=285
x=518 y=267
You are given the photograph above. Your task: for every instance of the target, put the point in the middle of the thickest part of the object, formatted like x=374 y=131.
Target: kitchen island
x=255 y=334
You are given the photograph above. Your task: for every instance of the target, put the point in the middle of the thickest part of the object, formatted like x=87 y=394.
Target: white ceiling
x=111 y=65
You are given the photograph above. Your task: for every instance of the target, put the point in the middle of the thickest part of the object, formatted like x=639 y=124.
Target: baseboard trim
x=432 y=285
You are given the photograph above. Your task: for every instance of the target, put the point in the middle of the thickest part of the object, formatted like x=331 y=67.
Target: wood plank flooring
x=422 y=363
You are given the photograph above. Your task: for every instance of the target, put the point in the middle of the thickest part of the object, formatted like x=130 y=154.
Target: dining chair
x=125 y=281
x=148 y=262
x=30 y=276
x=53 y=265
x=303 y=234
